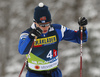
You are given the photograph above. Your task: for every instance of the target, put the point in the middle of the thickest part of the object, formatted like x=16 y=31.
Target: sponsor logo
x=24 y=35
x=43 y=67
x=42 y=19
x=37 y=67
x=49 y=66
x=45 y=41
x=54 y=53
x=45 y=62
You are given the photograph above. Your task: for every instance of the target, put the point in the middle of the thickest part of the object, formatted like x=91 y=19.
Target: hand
x=82 y=21
x=35 y=32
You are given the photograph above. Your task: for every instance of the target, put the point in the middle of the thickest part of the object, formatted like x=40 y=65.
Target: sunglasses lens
x=44 y=25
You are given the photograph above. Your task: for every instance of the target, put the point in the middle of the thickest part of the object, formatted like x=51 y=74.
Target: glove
x=35 y=32
x=82 y=21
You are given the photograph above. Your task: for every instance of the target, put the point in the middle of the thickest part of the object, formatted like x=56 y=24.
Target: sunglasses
x=44 y=25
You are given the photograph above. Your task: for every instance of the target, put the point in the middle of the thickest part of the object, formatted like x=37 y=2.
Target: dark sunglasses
x=44 y=25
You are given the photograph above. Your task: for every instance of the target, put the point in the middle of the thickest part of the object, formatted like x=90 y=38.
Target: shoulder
x=56 y=26
x=25 y=33
x=60 y=27
x=27 y=30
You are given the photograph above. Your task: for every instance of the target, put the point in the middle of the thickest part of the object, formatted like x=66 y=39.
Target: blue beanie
x=42 y=14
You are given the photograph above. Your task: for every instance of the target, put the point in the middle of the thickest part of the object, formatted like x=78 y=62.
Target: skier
x=43 y=59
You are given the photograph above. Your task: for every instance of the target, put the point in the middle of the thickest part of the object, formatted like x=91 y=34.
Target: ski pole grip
x=81 y=27
x=35 y=37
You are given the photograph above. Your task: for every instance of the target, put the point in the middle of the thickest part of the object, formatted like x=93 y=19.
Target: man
x=45 y=37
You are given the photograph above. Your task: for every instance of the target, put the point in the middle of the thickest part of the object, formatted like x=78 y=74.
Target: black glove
x=82 y=21
x=35 y=32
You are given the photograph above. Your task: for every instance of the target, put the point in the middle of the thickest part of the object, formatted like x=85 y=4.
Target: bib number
x=49 y=55
x=52 y=54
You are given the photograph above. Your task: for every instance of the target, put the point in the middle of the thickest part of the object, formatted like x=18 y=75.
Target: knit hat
x=42 y=14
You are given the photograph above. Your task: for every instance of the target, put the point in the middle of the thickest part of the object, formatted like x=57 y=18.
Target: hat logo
x=42 y=19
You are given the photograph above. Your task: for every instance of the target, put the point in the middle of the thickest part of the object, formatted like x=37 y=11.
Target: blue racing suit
x=44 y=54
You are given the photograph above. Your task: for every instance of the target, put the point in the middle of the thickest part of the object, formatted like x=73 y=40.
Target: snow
x=86 y=56
x=68 y=53
x=69 y=69
x=94 y=71
x=89 y=10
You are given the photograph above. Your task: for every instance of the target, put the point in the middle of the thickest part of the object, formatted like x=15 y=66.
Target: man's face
x=45 y=29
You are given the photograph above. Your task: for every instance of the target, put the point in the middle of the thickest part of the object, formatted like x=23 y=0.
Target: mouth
x=44 y=31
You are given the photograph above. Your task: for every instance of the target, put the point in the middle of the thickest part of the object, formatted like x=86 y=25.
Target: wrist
x=84 y=28
x=31 y=36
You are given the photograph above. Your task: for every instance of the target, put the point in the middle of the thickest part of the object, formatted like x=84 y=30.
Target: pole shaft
x=81 y=34
x=22 y=69
x=27 y=58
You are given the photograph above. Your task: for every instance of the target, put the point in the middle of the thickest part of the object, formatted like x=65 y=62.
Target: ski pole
x=81 y=36
x=27 y=57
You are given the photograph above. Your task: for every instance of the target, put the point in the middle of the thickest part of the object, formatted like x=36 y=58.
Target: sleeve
x=67 y=34
x=24 y=43
x=74 y=36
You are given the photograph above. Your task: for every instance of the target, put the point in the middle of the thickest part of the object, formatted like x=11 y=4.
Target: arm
x=24 y=42
x=74 y=36
x=67 y=34
x=26 y=39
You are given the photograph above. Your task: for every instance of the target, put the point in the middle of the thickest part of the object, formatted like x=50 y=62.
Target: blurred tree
x=6 y=36
x=77 y=8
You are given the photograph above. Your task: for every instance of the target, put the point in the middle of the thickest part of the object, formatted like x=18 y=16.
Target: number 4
x=49 y=55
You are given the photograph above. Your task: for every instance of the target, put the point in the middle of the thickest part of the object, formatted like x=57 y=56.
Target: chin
x=45 y=32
